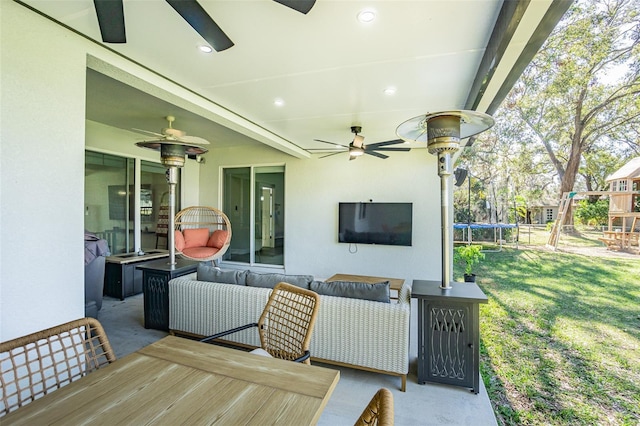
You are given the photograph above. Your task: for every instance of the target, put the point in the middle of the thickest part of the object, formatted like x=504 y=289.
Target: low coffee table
x=394 y=283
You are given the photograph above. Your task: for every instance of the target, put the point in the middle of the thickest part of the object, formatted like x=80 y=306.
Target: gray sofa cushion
x=378 y=292
x=212 y=274
x=255 y=279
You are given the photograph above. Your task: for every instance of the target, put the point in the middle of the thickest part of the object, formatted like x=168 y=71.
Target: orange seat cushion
x=179 y=240
x=197 y=237
x=200 y=252
x=218 y=238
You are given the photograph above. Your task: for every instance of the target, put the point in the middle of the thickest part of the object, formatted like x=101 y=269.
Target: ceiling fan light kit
x=443 y=132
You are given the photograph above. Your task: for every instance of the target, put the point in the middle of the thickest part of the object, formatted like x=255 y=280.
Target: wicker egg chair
x=202 y=233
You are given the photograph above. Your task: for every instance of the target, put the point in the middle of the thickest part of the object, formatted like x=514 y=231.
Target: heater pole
x=172 y=180
x=444 y=171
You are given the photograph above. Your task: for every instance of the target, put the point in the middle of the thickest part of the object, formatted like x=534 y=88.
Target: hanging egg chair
x=202 y=233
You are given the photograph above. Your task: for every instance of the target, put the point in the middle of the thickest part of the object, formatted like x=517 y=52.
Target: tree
x=579 y=97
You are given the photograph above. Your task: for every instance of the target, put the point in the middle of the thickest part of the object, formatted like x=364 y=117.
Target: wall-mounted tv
x=375 y=223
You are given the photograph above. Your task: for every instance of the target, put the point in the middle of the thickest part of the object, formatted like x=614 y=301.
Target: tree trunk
x=573 y=164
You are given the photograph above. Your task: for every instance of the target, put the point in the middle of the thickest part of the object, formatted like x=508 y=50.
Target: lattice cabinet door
x=449 y=334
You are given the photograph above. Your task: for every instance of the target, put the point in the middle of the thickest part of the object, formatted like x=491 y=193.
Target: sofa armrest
x=364 y=333
x=404 y=295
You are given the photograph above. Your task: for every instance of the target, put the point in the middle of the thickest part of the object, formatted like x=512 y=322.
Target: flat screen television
x=375 y=223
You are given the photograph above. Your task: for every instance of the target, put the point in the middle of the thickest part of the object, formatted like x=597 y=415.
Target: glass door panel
x=236 y=205
x=269 y=215
x=108 y=195
x=154 y=205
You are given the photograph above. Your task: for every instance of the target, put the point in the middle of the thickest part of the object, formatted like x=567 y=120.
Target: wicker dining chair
x=379 y=411
x=39 y=363
x=202 y=233
x=285 y=325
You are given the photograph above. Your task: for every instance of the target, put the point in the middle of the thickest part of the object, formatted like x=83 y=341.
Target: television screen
x=375 y=223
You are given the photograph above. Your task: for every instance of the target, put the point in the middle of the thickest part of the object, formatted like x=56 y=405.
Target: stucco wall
x=42 y=170
x=314 y=187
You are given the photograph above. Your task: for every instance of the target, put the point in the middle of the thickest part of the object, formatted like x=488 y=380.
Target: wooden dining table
x=181 y=381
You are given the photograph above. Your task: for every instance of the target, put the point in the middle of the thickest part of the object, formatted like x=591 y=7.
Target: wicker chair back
x=379 y=411
x=287 y=321
x=39 y=363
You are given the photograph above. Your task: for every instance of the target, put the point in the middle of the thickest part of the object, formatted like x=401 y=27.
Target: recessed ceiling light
x=204 y=48
x=390 y=91
x=366 y=16
x=278 y=102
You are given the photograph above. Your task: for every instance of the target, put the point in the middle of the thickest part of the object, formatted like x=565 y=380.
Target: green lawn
x=560 y=337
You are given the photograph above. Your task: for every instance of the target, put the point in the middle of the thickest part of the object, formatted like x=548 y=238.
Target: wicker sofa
x=363 y=334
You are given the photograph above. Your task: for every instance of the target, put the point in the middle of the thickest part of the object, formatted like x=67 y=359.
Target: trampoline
x=497 y=231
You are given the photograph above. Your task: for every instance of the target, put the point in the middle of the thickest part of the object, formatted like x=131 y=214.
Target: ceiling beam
x=507 y=24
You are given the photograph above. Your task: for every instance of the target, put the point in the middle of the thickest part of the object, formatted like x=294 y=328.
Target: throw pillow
x=218 y=238
x=196 y=237
x=213 y=274
x=179 y=239
x=271 y=280
x=378 y=292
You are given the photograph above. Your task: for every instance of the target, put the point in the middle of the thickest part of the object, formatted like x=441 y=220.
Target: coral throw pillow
x=218 y=238
x=196 y=237
x=179 y=240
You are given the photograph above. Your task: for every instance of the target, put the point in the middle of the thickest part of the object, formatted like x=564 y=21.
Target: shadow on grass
x=545 y=357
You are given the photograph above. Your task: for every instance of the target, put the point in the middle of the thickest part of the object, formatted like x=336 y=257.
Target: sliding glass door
x=253 y=199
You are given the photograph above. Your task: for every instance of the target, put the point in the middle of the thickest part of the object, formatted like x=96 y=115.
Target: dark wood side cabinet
x=155 y=285
x=121 y=278
x=449 y=333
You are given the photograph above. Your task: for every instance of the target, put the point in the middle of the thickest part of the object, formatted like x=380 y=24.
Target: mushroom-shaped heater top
x=443 y=131
x=172 y=152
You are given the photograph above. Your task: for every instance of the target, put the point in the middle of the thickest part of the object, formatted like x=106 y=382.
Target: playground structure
x=623 y=229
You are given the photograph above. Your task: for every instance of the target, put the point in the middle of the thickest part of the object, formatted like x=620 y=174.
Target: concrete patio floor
x=429 y=404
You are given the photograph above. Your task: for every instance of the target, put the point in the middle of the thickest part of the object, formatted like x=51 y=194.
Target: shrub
x=592 y=213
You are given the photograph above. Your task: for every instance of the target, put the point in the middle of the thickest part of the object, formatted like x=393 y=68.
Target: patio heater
x=173 y=148
x=443 y=131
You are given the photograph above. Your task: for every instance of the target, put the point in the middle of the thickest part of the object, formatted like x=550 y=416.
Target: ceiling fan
x=111 y=20
x=357 y=147
x=171 y=136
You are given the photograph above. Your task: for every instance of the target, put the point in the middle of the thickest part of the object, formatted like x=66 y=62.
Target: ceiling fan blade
x=376 y=154
x=392 y=149
x=111 y=20
x=147 y=132
x=302 y=6
x=379 y=144
x=332 y=143
x=200 y=21
x=329 y=155
x=193 y=140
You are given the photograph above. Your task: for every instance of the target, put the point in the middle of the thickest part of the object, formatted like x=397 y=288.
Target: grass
x=560 y=337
